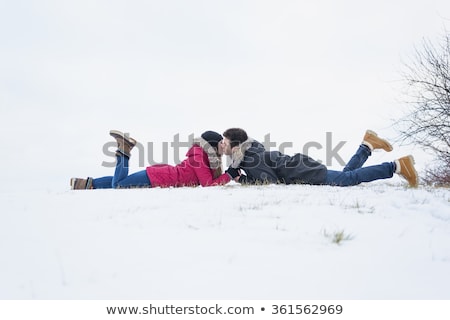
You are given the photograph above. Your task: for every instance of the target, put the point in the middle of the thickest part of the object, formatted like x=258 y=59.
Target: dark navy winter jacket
x=263 y=166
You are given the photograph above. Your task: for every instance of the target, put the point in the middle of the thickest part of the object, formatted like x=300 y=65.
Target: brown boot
x=124 y=142
x=81 y=184
x=372 y=140
x=405 y=168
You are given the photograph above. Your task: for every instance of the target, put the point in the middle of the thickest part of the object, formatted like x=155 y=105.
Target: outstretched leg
x=120 y=179
x=366 y=174
x=358 y=159
x=136 y=180
x=403 y=167
x=354 y=173
x=120 y=173
x=370 y=142
x=102 y=183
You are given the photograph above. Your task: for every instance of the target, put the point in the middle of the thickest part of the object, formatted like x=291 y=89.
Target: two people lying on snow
x=203 y=165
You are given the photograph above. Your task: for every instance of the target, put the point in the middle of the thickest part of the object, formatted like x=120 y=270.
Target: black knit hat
x=212 y=137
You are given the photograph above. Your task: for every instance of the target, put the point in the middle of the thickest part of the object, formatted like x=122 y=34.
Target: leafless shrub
x=427 y=122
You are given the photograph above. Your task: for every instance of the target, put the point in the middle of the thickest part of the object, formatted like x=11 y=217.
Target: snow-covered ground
x=228 y=242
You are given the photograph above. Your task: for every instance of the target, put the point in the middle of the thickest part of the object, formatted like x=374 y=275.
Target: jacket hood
x=250 y=146
x=215 y=161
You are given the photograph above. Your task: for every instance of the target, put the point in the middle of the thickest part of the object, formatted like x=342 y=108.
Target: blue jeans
x=354 y=174
x=121 y=179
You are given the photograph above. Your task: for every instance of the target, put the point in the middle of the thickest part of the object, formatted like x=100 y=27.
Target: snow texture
x=373 y=241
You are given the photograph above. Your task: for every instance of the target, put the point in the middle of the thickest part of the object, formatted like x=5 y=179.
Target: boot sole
x=74 y=181
x=413 y=173
x=120 y=135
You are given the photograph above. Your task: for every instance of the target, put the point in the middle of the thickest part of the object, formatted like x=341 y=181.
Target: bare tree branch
x=427 y=123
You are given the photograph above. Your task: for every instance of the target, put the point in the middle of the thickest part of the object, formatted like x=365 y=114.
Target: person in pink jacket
x=203 y=166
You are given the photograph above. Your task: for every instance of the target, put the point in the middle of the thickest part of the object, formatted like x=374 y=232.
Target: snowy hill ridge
x=373 y=241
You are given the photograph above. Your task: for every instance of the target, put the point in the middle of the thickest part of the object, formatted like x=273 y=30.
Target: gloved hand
x=233 y=172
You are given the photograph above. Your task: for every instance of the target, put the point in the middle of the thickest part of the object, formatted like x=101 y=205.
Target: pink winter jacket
x=193 y=171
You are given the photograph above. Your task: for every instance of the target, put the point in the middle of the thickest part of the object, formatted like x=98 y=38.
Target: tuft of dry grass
x=337 y=237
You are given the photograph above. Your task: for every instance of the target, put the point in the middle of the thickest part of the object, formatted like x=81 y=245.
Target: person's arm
x=203 y=172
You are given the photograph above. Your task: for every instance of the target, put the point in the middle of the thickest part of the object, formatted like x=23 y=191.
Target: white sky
x=72 y=70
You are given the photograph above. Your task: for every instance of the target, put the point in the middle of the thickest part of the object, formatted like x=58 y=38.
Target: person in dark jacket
x=203 y=166
x=262 y=167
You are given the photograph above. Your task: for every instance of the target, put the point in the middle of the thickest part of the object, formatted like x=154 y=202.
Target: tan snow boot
x=405 y=168
x=81 y=184
x=124 y=143
x=374 y=142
